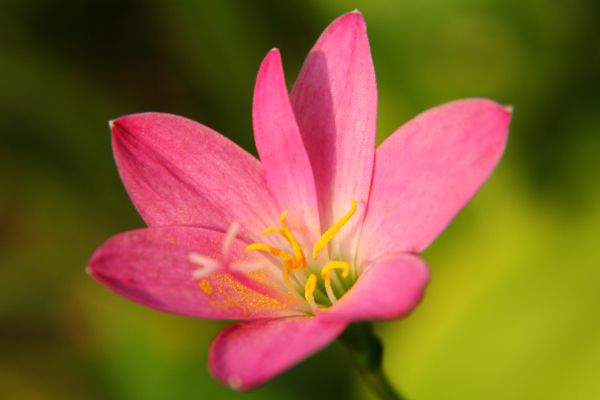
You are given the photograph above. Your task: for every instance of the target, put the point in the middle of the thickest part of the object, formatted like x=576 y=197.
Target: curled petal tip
x=509 y=108
x=273 y=54
x=235 y=383
x=354 y=15
x=117 y=124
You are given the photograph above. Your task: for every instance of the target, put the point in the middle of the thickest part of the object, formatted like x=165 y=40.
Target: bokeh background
x=512 y=311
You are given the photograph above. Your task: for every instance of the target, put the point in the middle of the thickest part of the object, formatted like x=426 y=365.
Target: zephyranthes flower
x=323 y=231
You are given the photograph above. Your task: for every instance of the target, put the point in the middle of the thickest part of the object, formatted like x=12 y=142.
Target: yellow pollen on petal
x=331 y=232
x=326 y=275
x=205 y=286
x=309 y=291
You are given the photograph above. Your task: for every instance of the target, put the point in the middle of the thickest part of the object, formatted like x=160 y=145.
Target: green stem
x=367 y=354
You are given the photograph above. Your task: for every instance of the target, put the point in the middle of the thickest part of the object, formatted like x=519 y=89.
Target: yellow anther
x=326 y=275
x=294 y=258
x=288 y=260
x=331 y=232
x=272 y=230
x=309 y=291
x=330 y=266
x=289 y=236
x=269 y=249
x=296 y=248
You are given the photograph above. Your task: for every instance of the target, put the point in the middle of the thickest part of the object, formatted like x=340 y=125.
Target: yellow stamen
x=291 y=239
x=309 y=291
x=296 y=248
x=326 y=275
x=330 y=266
x=287 y=259
x=331 y=232
x=271 y=229
x=269 y=249
x=295 y=259
x=289 y=267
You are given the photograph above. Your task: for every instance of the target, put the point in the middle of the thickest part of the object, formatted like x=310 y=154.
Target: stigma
x=301 y=275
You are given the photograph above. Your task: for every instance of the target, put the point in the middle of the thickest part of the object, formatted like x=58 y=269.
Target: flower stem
x=366 y=351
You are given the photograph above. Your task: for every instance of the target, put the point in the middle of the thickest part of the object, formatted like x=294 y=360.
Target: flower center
x=298 y=273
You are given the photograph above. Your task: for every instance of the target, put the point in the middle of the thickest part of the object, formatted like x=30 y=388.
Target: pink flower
x=323 y=231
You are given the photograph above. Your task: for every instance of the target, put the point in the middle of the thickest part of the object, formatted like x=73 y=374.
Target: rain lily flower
x=323 y=231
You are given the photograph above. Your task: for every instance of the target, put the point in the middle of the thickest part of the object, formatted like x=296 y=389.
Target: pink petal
x=248 y=354
x=428 y=170
x=280 y=146
x=387 y=289
x=335 y=102
x=152 y=267
x=179 y=172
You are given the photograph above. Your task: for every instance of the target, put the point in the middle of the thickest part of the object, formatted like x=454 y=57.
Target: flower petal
x=248 y=354
x=280 y=146
x=335 y=102
x=152 y=267
x=387 y=289
x=179 y=172
x=428 y=170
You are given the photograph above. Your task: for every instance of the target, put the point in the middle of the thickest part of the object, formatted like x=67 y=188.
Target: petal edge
x=428 y=170
x=179 y=172
x=248 y=354
x=387 y=289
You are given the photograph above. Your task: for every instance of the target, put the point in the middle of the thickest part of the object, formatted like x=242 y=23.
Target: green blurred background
x=512 y=311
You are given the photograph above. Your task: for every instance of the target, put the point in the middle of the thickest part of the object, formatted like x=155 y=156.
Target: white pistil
x=207 y=265
x=330 y=294
x=309 y=291
x=228 y=239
